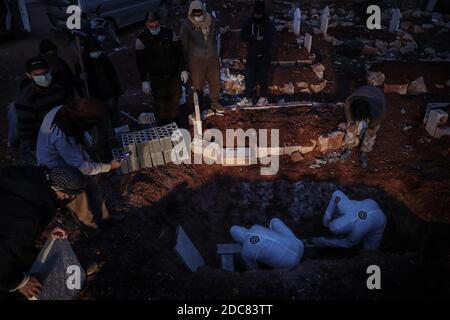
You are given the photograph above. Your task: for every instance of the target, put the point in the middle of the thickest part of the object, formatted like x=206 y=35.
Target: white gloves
x=184 y=76
x=146 y=88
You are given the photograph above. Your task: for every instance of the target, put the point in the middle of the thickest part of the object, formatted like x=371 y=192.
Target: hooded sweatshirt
x=199 y=38
x=258 y=35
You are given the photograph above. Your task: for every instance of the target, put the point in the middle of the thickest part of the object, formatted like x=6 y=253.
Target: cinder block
x=229 y=248
x=146 y=162
x=227 y=262
x=442 y=131
x=157 y=159
x=128 y=143
x=134 y=164
x=167 y=156
x=125 y=168
x=147 y=118
x=436 y=118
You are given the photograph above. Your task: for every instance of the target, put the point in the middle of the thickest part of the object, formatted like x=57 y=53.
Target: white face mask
x=43 y=80
x=199 y=18
x=95 y=55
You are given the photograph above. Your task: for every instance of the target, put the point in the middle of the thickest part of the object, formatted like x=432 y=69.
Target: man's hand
x=58 y=233
x=146 y=88
x=116 y=164
x=32 y=288
x=184 y=76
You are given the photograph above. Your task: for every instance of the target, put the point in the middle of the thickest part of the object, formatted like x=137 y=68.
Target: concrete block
x=147 y=118
x=146 y=162
x=121 y=130
x=134 y=164
x=436 y=118
x=227 y=262
x=128 y=143
x=308 y=42
x=51 y=267
x=229 y=248
x=332 y=141
x=187 y=251
x=167 y=154
x=157 y=158
x=125 y=168
x=236 y=156
x=442 y=131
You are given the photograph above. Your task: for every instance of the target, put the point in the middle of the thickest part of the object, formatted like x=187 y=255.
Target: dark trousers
x=257 y=73
x=166 y=93
x=206 y=69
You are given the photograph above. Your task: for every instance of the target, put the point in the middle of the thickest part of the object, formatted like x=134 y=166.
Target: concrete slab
x=187 y=251
x=227 y=262
x=55 y=267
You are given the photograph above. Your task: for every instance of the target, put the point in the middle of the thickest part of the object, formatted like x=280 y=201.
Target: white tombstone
x=395 y=20
x=297 y=21
x=308 y=42
x=324 y=20
x=430 y=5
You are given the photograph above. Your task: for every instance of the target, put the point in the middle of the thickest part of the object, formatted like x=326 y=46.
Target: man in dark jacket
x=104 y=85
x=258 y=33
x=198 y=35
x=60 y=70
x=365 y=110
x=162 y=68
x=34 y=101
x=29 y=197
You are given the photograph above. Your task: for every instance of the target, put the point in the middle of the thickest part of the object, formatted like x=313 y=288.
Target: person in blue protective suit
x=357 y=221
x=276 y=246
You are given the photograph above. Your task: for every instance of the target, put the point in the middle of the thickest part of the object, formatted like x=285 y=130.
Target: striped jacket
x=32 y=105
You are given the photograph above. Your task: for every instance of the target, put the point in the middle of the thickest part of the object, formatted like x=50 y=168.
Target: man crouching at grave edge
x=365 y=109
x=275 y=247
x=29 y=197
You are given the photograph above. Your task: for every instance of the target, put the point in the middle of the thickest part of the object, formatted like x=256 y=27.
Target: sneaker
x=217 y=107
x=346 y=155
x=364 y=159
x=244 y=103
x=262 y=102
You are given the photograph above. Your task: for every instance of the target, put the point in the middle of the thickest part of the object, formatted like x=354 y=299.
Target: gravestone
x=58 y=268
x=395 y=20
x=187 y=251
x=324 y=20
x=308 y=42
x=297 y=21
x=430 y=5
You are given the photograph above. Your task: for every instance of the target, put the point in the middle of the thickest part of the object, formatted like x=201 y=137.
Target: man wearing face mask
x=30 y=197
x=60 y=70
x=104 y=85
x=64 y=140
x=34 y=101
x=162 y=68
x=198 y=35
x=258 y=33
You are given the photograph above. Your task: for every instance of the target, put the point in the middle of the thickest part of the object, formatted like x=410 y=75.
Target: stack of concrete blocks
x=129 y=145
x=143 y=151
x=148 y=119
x=154 y=147
x=165 y=140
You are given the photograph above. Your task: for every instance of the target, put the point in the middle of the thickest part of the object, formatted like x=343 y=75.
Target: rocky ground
x=409 y=173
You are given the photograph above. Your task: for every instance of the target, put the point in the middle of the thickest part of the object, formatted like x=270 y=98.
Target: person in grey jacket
x=64 y=140
x=365 y=110
x=276 y=246
x=198 y=36
x=354 y=222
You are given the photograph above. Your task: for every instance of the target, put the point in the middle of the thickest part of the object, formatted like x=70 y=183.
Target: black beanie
x=67 y=179
x=36 y=63
x=47 y=45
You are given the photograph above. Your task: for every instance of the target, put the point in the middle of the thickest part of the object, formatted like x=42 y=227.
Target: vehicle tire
x=163 y=9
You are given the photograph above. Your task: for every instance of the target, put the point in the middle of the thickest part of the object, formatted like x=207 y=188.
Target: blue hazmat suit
x=276 y=246
x=357 y=221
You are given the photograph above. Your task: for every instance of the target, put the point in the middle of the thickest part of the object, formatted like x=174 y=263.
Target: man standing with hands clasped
x=162 y=68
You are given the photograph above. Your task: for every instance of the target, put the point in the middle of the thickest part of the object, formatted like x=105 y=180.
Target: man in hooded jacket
x=198 y=34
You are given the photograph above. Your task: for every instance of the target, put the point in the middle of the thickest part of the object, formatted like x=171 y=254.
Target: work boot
x=364 y=159
x=218 y=107
x=262 y=102
x=244 y=103
x=346 y=155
